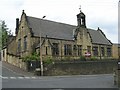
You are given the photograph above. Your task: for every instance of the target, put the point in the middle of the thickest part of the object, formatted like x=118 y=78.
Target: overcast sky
x=99 y=13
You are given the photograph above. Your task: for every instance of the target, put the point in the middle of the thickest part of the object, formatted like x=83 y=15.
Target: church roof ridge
x=53 y=21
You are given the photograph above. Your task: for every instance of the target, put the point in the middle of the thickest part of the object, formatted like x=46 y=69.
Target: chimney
x=17 y=25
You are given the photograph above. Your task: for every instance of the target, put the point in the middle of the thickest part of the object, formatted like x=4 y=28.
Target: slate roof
x=50 y=28
x=62 y=31
x=98 y=37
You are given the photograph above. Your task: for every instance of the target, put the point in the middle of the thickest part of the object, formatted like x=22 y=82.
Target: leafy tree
x=0 y=35
x=4 y=34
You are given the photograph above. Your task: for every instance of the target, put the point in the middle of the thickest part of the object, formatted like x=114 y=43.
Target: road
x=11 y=79
x=96 y=81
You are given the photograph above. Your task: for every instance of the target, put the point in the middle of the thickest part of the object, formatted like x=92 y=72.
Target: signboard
x=87 y=54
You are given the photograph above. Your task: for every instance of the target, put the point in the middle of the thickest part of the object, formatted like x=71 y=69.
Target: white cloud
x=99 y=13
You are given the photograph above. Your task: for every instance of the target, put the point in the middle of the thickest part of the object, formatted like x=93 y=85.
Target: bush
x=67 y=58
x=34 y=56
x=48 y=60
x=82 y=58
x=93 y=58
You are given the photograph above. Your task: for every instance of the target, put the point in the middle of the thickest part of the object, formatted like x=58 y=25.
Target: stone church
x=58 y=40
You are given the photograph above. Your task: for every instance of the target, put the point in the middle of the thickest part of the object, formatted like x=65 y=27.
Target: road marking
x=34 y=77
x=0 y=76
x=27 y=77
x=20 y=77
x=12 y=77
x=4 y=77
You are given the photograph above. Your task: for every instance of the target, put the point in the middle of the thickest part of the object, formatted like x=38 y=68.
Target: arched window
x=25 y=43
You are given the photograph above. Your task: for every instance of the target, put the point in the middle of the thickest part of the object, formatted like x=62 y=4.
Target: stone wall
x=16 y=61
x=116 y=51
x=82 y=68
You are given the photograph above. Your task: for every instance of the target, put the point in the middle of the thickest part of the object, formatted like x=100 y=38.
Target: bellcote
x=81 y=19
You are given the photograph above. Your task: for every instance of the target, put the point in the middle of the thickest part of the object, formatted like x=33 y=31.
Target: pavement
x=15 y=70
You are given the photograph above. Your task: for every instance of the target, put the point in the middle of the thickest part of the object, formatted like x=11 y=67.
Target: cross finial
x=80 y=8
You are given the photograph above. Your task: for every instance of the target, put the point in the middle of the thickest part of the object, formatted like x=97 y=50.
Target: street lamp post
x=41 y=62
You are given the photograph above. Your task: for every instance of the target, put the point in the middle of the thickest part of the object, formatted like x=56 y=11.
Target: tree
x=0 y=35
x=4 y=34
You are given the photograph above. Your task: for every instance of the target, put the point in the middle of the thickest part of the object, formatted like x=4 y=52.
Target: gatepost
x=118 y=75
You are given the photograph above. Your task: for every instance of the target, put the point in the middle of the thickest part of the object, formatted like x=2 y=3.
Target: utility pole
x=41 y=61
